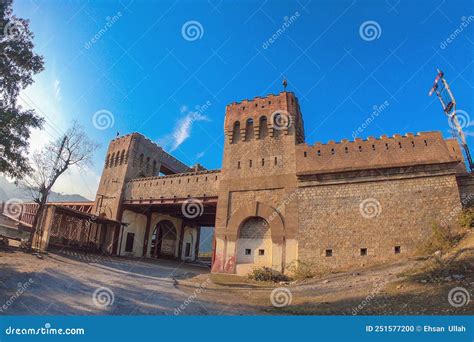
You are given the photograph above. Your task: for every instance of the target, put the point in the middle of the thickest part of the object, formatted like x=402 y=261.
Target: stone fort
x=278 y=201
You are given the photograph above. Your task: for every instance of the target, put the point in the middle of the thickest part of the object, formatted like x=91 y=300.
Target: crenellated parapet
x=199 y=184
x=372 y=153
x=263 y=116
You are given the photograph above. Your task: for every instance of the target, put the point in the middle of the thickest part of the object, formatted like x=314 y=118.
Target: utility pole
x=448 y=102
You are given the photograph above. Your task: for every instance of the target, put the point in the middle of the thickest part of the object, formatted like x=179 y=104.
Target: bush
x=466 y=219
x=301 y=270
x=267 y=274
x=441 y=239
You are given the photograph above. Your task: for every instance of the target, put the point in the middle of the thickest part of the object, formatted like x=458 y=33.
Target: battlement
x=141 y=149
x=198 y=184
x=176 y=175
x=385 y=152
x=248 y=117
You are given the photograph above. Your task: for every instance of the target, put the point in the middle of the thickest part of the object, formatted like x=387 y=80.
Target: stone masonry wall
x=182 y=185
x=397 y=213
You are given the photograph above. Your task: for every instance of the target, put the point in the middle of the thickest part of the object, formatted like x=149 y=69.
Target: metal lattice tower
x=446 y=98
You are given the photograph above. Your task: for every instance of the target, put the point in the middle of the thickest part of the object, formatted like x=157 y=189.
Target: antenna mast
x=446 y=98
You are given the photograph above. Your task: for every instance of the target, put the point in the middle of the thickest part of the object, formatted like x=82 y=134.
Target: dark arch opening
x=263 y=129
x=236 y=132
x=164 y=240
x=249 y=129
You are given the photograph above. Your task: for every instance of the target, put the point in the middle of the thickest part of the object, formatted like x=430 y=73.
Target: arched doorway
x=254 y=245
x=163 y=240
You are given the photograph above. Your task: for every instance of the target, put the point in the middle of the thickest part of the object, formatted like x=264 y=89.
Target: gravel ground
x=71 y=283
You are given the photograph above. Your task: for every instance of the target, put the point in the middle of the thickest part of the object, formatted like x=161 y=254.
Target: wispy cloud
x=57 y=90
x=183 y=129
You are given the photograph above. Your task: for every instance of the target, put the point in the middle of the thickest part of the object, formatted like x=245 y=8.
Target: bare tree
x=75 y=149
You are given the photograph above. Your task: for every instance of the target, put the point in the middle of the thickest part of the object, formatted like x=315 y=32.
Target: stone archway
x=164 y=240
x=228 y=261
x=253 y=246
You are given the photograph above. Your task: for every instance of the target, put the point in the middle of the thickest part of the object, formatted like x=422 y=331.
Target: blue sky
x=149 y=74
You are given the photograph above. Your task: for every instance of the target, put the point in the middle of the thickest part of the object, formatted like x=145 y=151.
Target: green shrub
x=466 y=219
x=267 y=274
x=301 y=270
x=441 y=239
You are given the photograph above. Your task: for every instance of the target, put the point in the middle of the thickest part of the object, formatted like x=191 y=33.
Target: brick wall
x=182 y=185
x=377 y=215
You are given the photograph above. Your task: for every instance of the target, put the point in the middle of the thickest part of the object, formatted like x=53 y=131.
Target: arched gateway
x=164 y=240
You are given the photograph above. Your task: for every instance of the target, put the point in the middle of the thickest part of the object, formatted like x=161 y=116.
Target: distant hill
x=9 y=190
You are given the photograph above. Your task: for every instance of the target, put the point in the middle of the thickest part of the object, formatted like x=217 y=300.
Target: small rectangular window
x=263 y=161
x=250 y=163
x=248 y=251
x=329 y=252
x=261 y=252
x=363 y=251
x=398 y=249
x=238 y=165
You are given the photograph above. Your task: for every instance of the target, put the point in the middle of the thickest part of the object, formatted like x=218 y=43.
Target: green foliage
x=267 y=274
x=466 y=219
x=441 y=239
x=301 y=270
x=18 y=64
